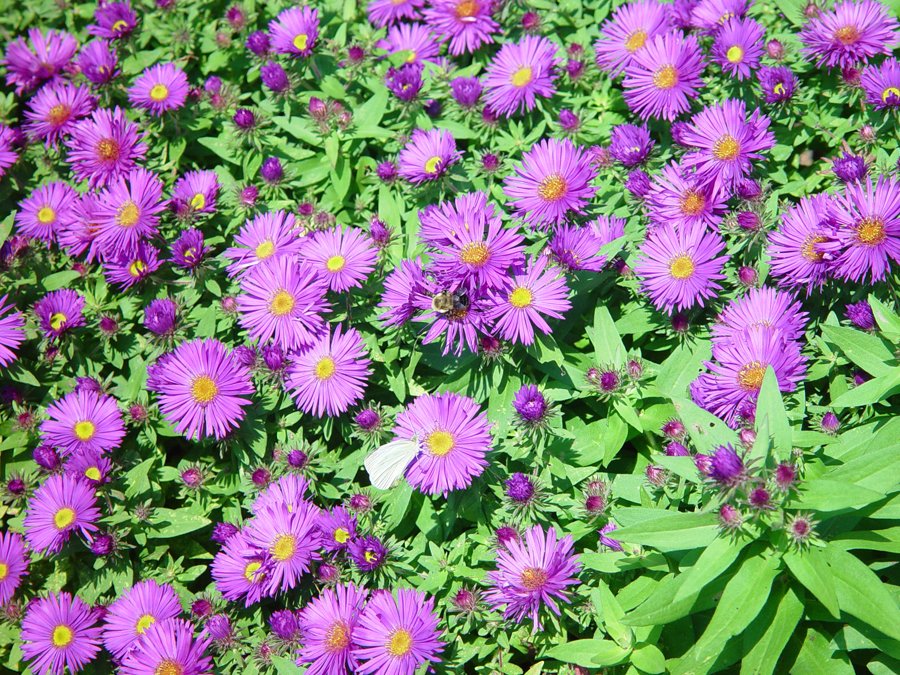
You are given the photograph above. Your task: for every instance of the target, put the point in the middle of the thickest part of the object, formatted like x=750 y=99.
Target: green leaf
x=608 y=346
x=821 y=494
x=865 y=350
x=221 y=148
x=785 y=610
x=681 y=368
x=770 y=408
x=649 y=659
x=672 y=531
x=707 y=431
x=715 y=559
x=862 y=594
x=168 y=523
x=873 y=391
x=811 y=569
x=887 y=320
x=589 y=653
x=59 y=280
x=285 y=666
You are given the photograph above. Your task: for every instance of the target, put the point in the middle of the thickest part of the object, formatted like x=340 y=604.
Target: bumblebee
x=445 y=301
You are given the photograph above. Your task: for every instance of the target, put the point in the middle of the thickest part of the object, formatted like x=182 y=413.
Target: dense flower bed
x=451 y=335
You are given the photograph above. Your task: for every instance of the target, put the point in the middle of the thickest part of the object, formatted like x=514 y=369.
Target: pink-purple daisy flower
x=328 y=623
x=59 y=311
x=415 y=40
x=294 y=31
x=41 y=214
x=131 y=266
x=343 y=257
x=169 y=647
x=59 y=633
x=39 y=59
x=664 y=76
x=881 y=84
x=290 y=540
x=467 y=24
x=13 y=564
x=195 y=192
x=159 y=88
x=738 y=47
x=128 y=211
x=113 y=21
x=55 y=109
x=427 y=155
x=105 y=146
x=134 y=611
x=238 y=570
x=60 y=506
x=266 y=237
x=627 y=31
x=799 y=248
x=851 y=32
x=519 y=73
x=83 y=420
x=12 y=332
x=98 y=62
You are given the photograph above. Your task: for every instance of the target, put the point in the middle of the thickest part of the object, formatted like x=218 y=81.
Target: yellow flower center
x=204 y=389
x=159 y=92
x=128 y=214
x=107 y=149
x=635 y=41
x=522 y=76
x=59 y=114
x=666 y=77
x=335 y=263
x=4 y=571
x=370 y=556
x=325 y=368
x=870 y=231
x=399 y=643
x=169 y=667
x=681 y=267
x=199 y=201
x=521 y=297
x=750 y=377
x=692 y=203
x=137 y=268
x=62 y=636
x=890 y=91
x=735 y=54
x=46 y=216
x=93 y=473
x=475 y=254
x=265 y=249
x=85 y=430
x=300 y=41
x=57 y=320
x=779 y=89
x=63 y=518
x=553 y=188
x=337 y=638
x=412 y=56
x=121 y=24
x=847 y=35
x=466 y=8
x=250 y=571
x=440 y=443
x=284 y=547
x=143 y=623
x=533 y=578
x=341 y=535
x=433 y=165
x=282 y=303
x=808 y=249
x=726 y=148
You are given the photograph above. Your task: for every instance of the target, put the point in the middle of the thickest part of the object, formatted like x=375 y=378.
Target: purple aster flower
x=532 y=574
x=263 y=239
x=13 y=564
x=83 y=421
x=383 y=13
x=9 y=140
x=851 y=32
x=519 y=73
x=284 y=625
x=727 y=142
x=189 y=249
x=202 y=390
x=404 y=82
x=428 y=155
x=860 y=313
x=413 y=39
x=638 y=183
x=552 y=180
x=629 y=144
x=343 y=257
x=274 y=77
x=627 y=31
x=466 y=91
x=676 y=449
x=127 y=211
x=867 y=220
x=738 y=47
x=531 y=406
x=289 y=539
x=328 y=623
x=882 y=84
x=42 y=213
x=568 y=121
x=576 y=248
x=606 y=540
x=467 y=24
x=78 y=230
x=159 y=88
x=760 y=309
x=338 y=527
x=258 y=43
x=401 y=286
x=160 y=316
x=244 y=119
x=396 y=633
x=168 y=647
x=777 y=84
x=849 y=168
x=238 y=569
x=59 y=633
x=529 y=296
x=131 y=266
x=59 y=311
x=114 y=21
x=195 y=192
x=286 y=491
x=99 y=62
x=331 y=375
x=680 y=266
x=60 y=506
x=664 y=76
x=128 y=618
x=726 y=466
x=54 y=111
x=42 y=58
x=294 y=31
x=710 y=15
x=104 y=147
x=12 y=334
x=520 y=488
x=454 y=436
x=368 y=553
x=798 y=248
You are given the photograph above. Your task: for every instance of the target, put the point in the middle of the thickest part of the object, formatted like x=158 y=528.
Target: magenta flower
x=401 y=287
x=286 y=491
x=12 y=334
x=159 y=88
x=553 y=179
x=13 y=564
x=78 y=228
x=131 y=266
x=533 y=574
x=289 y=539
x=128 y=618
x=428 y=155
x=54 y=110
x=798 y=249
x=40 y=215
x=680 y=198
x=881 y=84
x=99 y=62
x=627 y=31
x=383 y=13
x=343 y=257
x=529 y=296
x=189 y=249
x=9 y=138
x=331 y=375
x=238 y=570
x=266 y=237
x=852 y=32
x=664 y=76
x=59 y=632
x=169 y=647
x=710 y=15
x=760 y=309
x=195 y=192
x=83 y=421
x=414 y=39
x=128 y=211
x=104 y=147
x=519 y=73
x=294 y=31
x=328 y=623
x=680 y=267
x=60 y=506
x=59 y=311
x=114 y=21
x=467 y=24
x=42 y=58
x=738 y=47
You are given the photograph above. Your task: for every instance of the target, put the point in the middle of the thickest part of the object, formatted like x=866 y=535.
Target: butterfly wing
x=388 y=463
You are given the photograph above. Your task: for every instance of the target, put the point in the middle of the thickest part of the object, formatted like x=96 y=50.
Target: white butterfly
x=388 y=463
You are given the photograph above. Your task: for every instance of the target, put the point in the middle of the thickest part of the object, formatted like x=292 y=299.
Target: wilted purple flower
x=261 y=477
x=676 y=449
x=629 y=144
x=404 y=82
x=777 y=83
x=608 y=541
x=46 y=457
x=785 y=475
x=297 y=459
x=748 y=189
x=801 y=529
x=284 y=624
x=638 y=183
x=222 y=532
x=103 y=544
x=367 y=553
x=749 y=220
x=506 y=534
x=775 y=50
x=160 y=316
x=189 y=250
x=568 y=121
x=387 y=172
x=466 y=90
